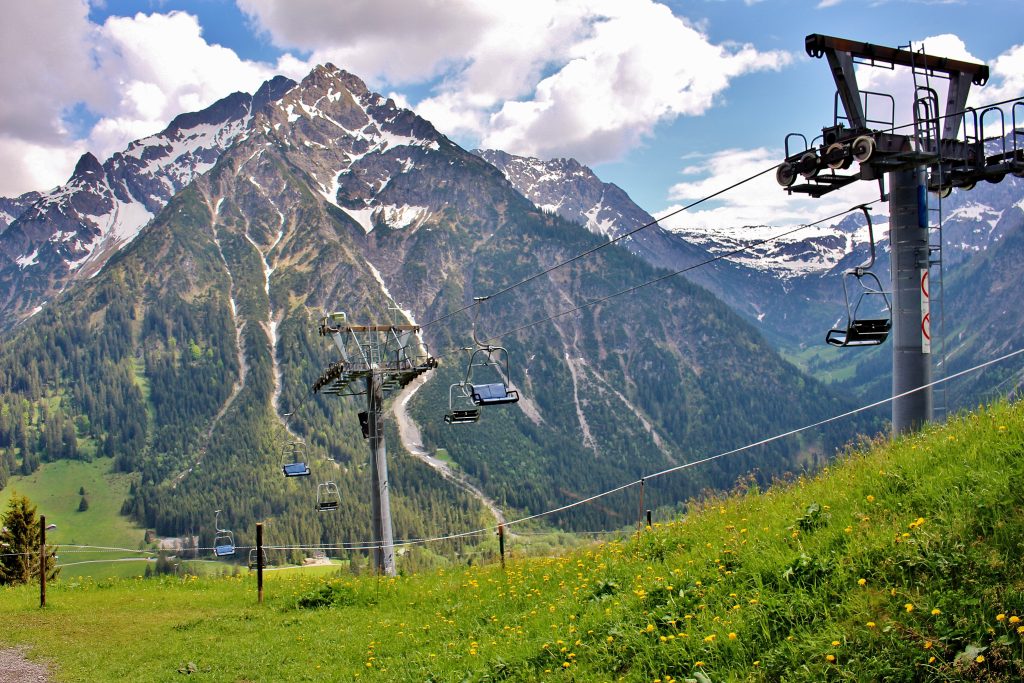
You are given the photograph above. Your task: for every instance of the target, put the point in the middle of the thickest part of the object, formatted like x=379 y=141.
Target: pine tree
x=19 y=545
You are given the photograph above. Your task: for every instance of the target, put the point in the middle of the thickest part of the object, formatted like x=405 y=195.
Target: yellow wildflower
x=861 y=582
x=732 y=636
x=909 y=607
x=1014 y=619
x=936 y=612
x=835 y=643
x=1000 y=617
x=979 y=659
x=830 y=658
x=871 y=624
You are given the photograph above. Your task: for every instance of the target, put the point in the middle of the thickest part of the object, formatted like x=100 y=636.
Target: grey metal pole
x=908 y=239
x=385 y=552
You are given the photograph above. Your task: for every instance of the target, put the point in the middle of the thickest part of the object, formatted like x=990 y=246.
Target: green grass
x=54 y=488
x=898 y=563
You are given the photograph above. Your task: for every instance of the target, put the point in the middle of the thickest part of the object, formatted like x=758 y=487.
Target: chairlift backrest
x=327 y=496
x=461 y=407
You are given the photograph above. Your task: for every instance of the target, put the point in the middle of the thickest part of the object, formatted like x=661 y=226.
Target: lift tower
x=934 y=156
x=376 y=360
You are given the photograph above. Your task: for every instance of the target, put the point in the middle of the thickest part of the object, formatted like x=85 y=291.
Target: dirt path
x=412 y=441
x=15 y=668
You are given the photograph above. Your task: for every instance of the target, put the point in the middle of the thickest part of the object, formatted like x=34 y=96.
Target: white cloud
x=133 y=73
x=1007 y=77
x=757 y=202
x=583 y=78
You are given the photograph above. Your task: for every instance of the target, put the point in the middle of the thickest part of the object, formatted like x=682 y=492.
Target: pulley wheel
x=808 y=165
x=837 y=156
x=863 y=148
x=785 y=174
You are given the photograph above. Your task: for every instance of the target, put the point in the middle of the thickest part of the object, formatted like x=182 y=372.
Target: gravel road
x=14 y=668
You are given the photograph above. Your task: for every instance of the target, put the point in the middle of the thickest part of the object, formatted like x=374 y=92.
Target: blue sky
x=667 y=99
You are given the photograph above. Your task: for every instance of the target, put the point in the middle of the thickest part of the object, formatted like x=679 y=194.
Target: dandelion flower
x=927 y=644
x=835 y=643
x=871 y=499
x=830 y=658
x=1014 y=619
x=732 y=636
x=909 y=607
x=871 y=624
x=931 y=660
x=861 y=582
x=1000 y=617
x=936 y=612
x=979 y=659
x=709 y=639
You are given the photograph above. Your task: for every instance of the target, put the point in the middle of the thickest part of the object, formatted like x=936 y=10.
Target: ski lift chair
x=492 y=393
x=461 y=407
x=860 y=329
x=328 y=498
x=295 y=464
x=223 y=540
x=253 y=556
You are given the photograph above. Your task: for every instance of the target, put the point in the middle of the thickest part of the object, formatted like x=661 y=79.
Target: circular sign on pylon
x=926 y=314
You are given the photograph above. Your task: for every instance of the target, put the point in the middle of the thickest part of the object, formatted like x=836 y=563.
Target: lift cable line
x=599 y=247
x=734 y=451
x=623 y=487
x=694 y=463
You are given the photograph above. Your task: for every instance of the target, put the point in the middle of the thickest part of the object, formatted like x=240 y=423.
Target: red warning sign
x=926 y=314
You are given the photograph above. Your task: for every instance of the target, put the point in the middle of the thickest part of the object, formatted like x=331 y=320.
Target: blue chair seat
x=492 y=394
x=296 y=469
x=222 y=550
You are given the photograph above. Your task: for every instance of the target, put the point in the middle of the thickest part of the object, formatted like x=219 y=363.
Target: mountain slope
x=50 y=241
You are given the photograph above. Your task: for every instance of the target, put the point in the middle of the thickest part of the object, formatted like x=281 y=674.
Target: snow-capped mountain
x=52 y=239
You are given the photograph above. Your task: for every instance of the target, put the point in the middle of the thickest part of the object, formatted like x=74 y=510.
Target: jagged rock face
x=11 y=208
x=68 y=234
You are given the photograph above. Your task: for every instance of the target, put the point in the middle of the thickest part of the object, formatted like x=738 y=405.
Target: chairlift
x=253 y=556
x=223 y=540
x=492 y=363
x=328 y=498
x=489 y=364
x=864 y=328
x=295 y=463
x=461 y=408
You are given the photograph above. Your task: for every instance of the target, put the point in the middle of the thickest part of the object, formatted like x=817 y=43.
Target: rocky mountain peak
x=88 y=169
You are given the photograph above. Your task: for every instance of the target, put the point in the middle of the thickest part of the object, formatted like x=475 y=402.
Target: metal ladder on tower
x=928 y=141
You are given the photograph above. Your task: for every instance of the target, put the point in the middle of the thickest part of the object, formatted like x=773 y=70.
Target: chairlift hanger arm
x=818 y=45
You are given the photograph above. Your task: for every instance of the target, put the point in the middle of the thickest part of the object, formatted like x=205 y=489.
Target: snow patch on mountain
x=785 y=252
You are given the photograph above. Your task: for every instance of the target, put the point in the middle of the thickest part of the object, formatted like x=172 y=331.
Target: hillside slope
x=899 y=563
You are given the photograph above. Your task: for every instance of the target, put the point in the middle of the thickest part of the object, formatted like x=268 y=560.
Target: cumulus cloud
x=132 y=74
x=1007 y=76
x=582 y=78
x=760 y=201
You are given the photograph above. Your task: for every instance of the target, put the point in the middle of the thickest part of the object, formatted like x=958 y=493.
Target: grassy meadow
x=54 y=490
x=900 y=562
